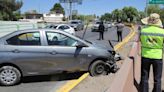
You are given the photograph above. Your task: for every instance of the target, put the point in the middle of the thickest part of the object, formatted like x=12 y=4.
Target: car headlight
x=112 y=52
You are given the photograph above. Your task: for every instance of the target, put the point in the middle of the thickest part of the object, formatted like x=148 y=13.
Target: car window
x=59 y=39
x=54 y=27
x=74 y=22
x=51 y=26
x=61 y=27
x=66 y=27
x=32 y=38
x=97 y=22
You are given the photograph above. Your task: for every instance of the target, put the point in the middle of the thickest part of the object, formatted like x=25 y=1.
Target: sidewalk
x=102 y=83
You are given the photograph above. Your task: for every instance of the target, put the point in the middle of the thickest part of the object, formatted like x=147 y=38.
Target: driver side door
x=63 y=53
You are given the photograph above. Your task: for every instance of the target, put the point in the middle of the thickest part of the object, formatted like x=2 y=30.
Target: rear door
x=26 y=51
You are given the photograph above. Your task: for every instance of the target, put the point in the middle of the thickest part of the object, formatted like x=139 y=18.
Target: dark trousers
x=101 y=37
x=157 y=72
x=119 y=35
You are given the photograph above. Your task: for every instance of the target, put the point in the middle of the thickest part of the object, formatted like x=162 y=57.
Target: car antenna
x=111 y=44
x=85 y=30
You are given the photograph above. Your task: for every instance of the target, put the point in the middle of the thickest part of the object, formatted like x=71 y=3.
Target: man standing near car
x=120 y=27
x=101 y=30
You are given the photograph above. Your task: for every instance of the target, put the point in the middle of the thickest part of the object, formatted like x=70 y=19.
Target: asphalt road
x=54 y=82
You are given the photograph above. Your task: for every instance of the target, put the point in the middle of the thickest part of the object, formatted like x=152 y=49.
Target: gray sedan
x=46 y=51
x=77 y=25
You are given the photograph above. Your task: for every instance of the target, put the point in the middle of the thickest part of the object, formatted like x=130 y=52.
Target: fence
x=10 y=26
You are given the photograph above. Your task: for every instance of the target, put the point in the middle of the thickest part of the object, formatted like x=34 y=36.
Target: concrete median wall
x=128 y=77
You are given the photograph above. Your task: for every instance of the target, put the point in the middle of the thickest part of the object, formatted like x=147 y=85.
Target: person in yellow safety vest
x=152 y=41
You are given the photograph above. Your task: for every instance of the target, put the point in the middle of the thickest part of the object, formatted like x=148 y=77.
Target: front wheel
x=9 y=75
x=97 y=68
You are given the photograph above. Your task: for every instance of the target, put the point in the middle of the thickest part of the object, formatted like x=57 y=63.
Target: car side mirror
x=80 y=45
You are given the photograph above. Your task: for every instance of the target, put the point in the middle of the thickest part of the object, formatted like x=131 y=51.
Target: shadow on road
x=55 y=77
x=114 y=40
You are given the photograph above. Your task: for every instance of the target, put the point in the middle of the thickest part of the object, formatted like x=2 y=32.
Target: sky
x=98 y=7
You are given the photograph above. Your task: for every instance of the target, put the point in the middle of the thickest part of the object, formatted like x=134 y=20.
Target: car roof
x=42 y=29
x=57 y=24
x=33 y=30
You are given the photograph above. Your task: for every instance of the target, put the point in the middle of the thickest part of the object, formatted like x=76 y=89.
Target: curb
x=73 y=83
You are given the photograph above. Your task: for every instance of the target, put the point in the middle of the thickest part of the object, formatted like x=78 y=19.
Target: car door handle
x=53 y=53
x=16 y=51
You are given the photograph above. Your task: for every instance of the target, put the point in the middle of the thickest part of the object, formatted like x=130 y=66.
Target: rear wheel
x=97 y=68
x=9 y=75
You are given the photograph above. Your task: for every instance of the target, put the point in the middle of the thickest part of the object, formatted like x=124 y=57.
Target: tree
x=156 y=9
x=7 y=7
x=130 y=13
x=106 y=17
x=162 y=14
x=117 y=15
x=141 y=15
x=57 y=8
x=153 y=9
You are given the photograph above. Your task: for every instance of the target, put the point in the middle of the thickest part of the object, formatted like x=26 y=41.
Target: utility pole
x=70 y=2
x=146 y=10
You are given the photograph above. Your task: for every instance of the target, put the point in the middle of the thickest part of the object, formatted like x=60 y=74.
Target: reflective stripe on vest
x=152 y=34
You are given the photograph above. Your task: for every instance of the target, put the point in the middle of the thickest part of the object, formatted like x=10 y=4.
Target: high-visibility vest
x=152 y=39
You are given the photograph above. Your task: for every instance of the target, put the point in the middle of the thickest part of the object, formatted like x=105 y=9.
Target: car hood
x=101 y=45
x=95 y=25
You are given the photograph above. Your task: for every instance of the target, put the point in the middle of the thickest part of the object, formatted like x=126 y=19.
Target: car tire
x=9 y=75
x=82 y=28
x=97 y=68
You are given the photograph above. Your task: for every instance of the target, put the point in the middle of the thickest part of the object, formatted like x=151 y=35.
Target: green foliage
x=57 y=8
x=17 y=15
x=126 y=14
x=85 y=18
x=162 y=14
x=117 y=15
x=106 y=17
x=156 y=9
x=153 y=9
x=130 y=13
x=7 y=7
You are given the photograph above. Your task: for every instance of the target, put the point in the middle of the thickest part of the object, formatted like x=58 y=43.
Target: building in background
x=54 y=17
x=32 y=16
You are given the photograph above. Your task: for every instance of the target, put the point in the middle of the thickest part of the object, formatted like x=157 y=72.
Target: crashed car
x=47 y=51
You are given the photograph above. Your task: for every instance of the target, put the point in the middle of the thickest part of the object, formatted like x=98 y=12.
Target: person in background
x=152 y=39
x=101 y=29
x=120 y=27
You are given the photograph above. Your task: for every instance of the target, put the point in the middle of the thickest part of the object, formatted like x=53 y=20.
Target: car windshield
x=51 y=26
x=74 y=22
x=97 y=22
